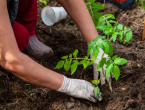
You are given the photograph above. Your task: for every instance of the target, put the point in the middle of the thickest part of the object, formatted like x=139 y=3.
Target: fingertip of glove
x=92 y=99
x=99 y=99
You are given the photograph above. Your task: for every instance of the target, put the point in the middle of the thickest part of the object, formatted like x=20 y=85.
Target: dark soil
x=128 y=92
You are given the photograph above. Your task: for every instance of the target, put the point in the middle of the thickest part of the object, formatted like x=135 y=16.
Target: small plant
x=93 y=9
x=111 y=32
x=32 y=95
x=44 y=2
x=27 y=84
x=143 y=3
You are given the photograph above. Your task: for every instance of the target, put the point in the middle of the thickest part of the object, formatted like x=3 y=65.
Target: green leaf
x=88 y=7
x=96 y=7
x=95 y=51
x=125 y=30
x=120 y=61
x=120 y=27
x=97 y=15
x=74 y=67
x=95 y=22
x=88 y=62
x=84 y=62
x=101 y=63
x=109 y=16
x=102 y=20
x=114 y=36
x=106 y=47
x=100 y=44
x=108 y=30
x=70 y=56
x=92 y=62
x=143 y=4
x=137 y=2
x=128 y=36
x=91 y=1
x=59 y=65
x=86 y=57
x=101 y=27
x=97 y=92
x=109 y=25
x=73 y=60
x=111 y=21
x=90 y=48
x=75 y=25
x=116 y=72
x=75 y=53
x=100 y=37
x=92 y=43
x=114 y=28
x=64 y=57
x=108 y=63
x=95 y=82
x=98 y=82
x=70 y=60
x=110 y=48
x=67 y=65
x=109 y=69
x=120 y=36
x=114 y=57
x=27 y=84
x=44 y=2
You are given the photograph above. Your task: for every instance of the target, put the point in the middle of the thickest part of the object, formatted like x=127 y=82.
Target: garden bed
x=128 y=92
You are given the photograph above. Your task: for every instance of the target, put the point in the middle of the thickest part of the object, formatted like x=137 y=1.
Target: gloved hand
x=99 y=72
x=79 y=88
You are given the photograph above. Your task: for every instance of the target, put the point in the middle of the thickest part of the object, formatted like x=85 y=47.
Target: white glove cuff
x=66 y=85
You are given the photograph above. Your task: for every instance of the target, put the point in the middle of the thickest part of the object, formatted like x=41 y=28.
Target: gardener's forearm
x=28 y=70
x=18 y=63
x=79 y=13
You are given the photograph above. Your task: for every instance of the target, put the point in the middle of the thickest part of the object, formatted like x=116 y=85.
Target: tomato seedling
x=143 y=3
x=32 y=95
x=111 y=30
x=93 y=9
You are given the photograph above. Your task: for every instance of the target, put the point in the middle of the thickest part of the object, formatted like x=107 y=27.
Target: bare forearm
x=79 y=13
x=18 y=63
x=32 y=72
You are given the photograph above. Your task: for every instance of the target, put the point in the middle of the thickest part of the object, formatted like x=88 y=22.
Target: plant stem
x=83 y=59
x=91 y=10
x=107 y=37
x=110 y=87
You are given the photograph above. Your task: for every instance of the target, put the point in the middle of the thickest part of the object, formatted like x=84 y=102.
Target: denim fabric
x=12 y=6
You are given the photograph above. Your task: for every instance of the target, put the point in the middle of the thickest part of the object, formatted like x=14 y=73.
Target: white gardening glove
x=99 y=73
x=79 y=88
